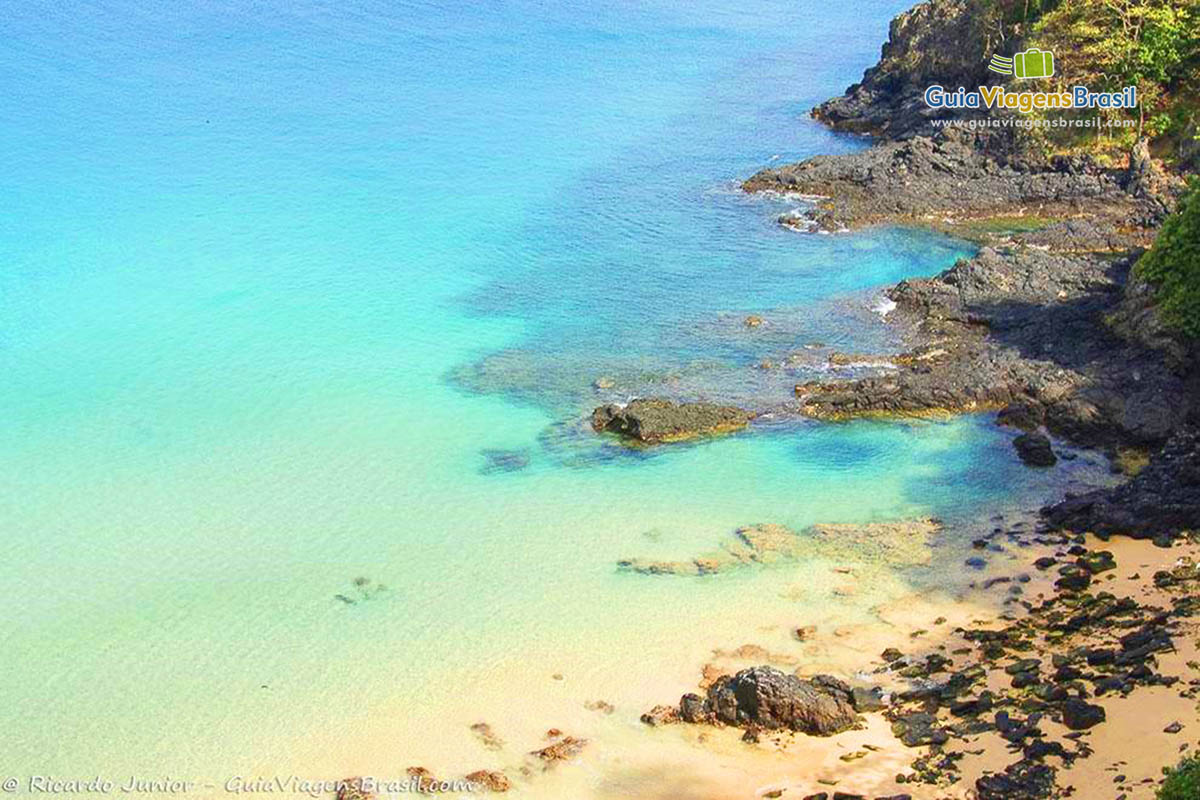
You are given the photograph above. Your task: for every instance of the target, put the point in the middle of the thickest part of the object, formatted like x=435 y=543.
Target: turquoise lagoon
x=274 y=276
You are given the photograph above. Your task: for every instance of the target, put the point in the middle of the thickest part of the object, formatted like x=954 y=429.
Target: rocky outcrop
x=1162 y=499
x=949 y=177
x=1137 y=319
x=764 y=697
x=1023 y=331
x=651 y=420
x=1147 y=180
x=944 y=42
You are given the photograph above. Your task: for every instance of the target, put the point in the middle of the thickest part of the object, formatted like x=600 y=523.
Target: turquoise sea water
x=274 y=276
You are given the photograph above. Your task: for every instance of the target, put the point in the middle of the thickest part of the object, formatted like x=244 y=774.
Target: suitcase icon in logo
x=1033 y=64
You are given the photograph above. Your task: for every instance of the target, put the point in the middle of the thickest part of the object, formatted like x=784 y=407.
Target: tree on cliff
x=1173 y=266
x=1110 y=44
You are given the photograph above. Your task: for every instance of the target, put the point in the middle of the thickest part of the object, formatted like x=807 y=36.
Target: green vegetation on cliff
x=1173 y=266
x=1103 y=45
x=1107 y=45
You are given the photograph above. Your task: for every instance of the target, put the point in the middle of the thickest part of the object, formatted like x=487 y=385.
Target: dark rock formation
x=865 y=700
x=1023 y=331
x=1164 y=498
x=933 y=178
x=1147 y=180
x=944 y=42
x=1079 y=715
x=652 y=420
x=919 y=728
x=1024 y=780
x=1034 y=449
x=766 y=698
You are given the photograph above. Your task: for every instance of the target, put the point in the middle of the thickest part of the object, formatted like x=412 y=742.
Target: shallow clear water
x=273 y=278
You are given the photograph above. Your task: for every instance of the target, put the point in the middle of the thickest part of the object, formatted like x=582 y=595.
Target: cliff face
x=947 y=42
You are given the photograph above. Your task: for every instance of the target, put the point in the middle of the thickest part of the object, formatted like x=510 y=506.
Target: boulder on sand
x=764 y=697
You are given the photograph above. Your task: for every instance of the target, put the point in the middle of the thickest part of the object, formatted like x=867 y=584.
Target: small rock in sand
x=484 y=733
x=490 y=780
x=352 y=789
x=805 y=632
x=599 y=705
x=563 y=750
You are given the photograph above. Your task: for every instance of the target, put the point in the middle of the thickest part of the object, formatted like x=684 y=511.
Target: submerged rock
x=764 y=542
x=660 y=715
x=484 y=733
x=364 y=589
x=1034 y=449
x=901 y=542
x=503 y=460
x=646 y=566
x=652 y=420
x=601 y=706
x=865 y=700
x=1074 y=579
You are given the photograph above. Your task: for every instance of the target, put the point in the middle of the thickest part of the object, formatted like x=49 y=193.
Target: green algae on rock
x=653 y=420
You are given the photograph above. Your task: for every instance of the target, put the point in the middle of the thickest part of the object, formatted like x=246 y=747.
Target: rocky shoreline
x=1047 y=328
x=1012 y=708
x=950 y=178
x=1044 y=326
